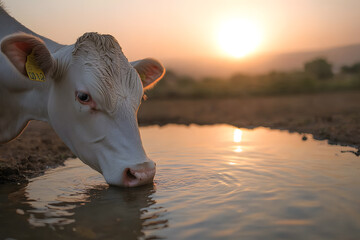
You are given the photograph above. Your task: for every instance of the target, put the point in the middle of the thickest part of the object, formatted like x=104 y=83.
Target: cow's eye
x=83 y=97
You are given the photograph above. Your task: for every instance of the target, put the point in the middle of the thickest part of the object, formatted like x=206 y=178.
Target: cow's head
x=93 y=94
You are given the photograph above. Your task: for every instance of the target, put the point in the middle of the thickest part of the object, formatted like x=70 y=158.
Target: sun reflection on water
x=237 y=137
x=238 y=149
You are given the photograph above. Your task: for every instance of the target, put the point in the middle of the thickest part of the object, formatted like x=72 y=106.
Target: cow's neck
x=18 y=107
x=21 y=100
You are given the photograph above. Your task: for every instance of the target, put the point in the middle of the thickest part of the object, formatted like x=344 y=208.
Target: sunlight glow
x=239 y=37
x=237 y=135
x=238 y=149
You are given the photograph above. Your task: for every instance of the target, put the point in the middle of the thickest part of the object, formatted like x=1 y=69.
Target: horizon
x=189 y=31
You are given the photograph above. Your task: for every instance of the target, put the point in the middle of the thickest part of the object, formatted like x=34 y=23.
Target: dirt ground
x=332 y=116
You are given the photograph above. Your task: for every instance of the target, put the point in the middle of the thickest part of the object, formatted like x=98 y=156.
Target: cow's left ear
x=17 y=47
x=150 y=71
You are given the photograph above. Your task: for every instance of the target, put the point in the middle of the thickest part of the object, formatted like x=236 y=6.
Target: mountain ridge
x=260 y=64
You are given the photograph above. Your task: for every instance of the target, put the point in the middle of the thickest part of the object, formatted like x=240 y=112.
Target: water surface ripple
x=212 y=182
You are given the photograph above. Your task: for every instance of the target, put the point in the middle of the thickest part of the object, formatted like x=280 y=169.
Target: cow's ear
x=150 y=71
x=17 y=47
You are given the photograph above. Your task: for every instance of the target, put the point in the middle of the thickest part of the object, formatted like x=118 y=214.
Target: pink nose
x=139 y=174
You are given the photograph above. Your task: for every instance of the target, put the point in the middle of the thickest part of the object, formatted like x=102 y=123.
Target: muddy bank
x=335 y=117
x=35 y=150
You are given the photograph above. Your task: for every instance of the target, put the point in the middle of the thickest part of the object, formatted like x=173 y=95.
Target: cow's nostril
x=138 y=176
x=130 y=175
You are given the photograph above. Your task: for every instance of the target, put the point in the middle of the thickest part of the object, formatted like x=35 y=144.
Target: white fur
x=106 y=137
x=114 y=77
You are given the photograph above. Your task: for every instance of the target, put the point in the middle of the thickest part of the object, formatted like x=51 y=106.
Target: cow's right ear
x=17 y=47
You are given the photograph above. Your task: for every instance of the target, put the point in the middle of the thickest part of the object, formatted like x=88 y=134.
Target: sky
x=169 y=29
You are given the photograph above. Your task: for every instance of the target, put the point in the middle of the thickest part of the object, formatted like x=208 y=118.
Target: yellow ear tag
x=33 y=70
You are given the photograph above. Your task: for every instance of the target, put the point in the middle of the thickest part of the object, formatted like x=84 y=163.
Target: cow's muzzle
x=139 y=174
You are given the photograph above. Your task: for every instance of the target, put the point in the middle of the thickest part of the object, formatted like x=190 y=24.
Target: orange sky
x=169 y=29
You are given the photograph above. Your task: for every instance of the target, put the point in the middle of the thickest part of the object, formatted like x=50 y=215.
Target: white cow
x=90 y=97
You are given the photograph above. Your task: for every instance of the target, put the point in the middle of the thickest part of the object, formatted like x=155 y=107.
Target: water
x=212 y=182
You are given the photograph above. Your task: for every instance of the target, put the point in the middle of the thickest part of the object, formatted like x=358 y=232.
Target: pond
x=212 y=182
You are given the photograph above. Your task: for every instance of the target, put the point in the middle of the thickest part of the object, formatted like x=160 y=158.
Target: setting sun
x=238 y=37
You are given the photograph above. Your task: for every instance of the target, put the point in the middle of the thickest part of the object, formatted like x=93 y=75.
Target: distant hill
x=198 y=68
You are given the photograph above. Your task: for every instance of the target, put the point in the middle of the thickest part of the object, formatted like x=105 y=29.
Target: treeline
x=317 y=76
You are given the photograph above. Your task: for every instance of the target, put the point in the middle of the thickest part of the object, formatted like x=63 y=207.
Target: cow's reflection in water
x=100 y=212
x=122 y=213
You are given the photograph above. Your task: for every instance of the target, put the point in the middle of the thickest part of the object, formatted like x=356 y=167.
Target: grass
x=241 y=85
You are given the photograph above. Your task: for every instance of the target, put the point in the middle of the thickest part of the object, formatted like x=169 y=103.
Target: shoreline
x=334 y=117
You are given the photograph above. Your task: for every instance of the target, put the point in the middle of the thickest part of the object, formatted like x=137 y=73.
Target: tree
x=355 y=68
x=319 y=67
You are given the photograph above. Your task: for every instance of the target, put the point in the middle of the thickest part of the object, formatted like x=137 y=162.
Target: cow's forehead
x=102 y=52
x=114 y=77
